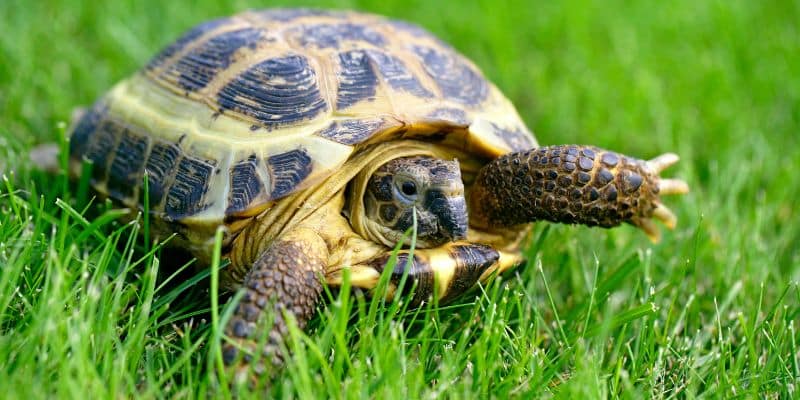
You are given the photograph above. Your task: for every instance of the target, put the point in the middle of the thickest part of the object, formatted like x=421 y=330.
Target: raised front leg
x=284 y=281
x=575 y=185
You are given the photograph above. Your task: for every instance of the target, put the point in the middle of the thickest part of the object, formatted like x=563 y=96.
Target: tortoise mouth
x=450 y=212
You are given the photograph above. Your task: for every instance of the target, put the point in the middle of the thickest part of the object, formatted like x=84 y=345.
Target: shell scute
x=187 y=38
x=196 y=69
x=514 y=136
x=101 y=147
x=275 y=92
x=159 y=167
x=449 y=115
x=351 y=132
x=456 y=79
x=325 y=35
x=396 y=74
x=287 y=171
x=186 y=195
x=85 y=128
x=356 y=79
x=126 y=167
x=246 y=185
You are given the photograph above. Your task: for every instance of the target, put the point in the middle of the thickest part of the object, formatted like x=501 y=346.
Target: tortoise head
x=427 y=188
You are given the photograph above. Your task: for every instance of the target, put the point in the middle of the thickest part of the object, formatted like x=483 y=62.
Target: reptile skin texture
x=568 y=184
x=285 y=278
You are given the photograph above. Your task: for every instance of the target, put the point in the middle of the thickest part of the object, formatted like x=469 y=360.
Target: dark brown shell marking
x=288 y=170
x=185 y=197
x=455 y=78
x=245 y=183
x=185 y=40
x=126 y=169
x=515 y=137
x=196 y=69
x=83 y=132
x=356 y=77
x=452 y=116
x=351 y=132
x=160 y=167
x=396 y=73
x=275 y=91
x=327 y=35
x=101 y=148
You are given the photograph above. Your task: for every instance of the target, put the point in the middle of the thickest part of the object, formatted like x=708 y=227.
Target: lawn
x=712 y=310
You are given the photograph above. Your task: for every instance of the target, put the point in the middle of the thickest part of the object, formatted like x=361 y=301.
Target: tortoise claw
x=665 y=187
x=649 y=227
x=667 y=217
x=663 y=162
x=672 y=186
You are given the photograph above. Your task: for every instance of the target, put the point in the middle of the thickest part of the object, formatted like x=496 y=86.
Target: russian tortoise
x=317 y=139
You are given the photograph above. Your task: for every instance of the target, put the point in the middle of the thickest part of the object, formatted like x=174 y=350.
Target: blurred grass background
x=710 y=311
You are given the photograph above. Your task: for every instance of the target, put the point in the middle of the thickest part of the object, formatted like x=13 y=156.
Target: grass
x=712 y=311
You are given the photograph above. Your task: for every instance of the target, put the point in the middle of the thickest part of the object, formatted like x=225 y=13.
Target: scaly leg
x=575 y=185
x=445 y=271
x=285 y=280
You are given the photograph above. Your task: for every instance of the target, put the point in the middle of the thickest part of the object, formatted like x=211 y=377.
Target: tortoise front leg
x=575 y=185
x=284 y=280
x=445 y=271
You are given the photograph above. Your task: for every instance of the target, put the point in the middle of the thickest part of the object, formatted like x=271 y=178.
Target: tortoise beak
x=450 y=210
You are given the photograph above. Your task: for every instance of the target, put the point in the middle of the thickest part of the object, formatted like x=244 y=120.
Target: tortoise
x=317 y=140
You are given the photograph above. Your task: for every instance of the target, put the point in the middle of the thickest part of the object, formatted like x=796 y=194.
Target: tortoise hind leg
x=284 y=280
x=45 y=157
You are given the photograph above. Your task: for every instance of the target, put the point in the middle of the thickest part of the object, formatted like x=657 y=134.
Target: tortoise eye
x=409 y=188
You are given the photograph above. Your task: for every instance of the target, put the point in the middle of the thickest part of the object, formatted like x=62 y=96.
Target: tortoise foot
x=576 y=185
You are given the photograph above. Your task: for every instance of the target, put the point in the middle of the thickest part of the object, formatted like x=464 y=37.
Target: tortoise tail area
x=46 y=156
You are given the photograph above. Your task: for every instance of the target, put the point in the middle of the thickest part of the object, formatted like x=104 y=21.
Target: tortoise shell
x=245 y=110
